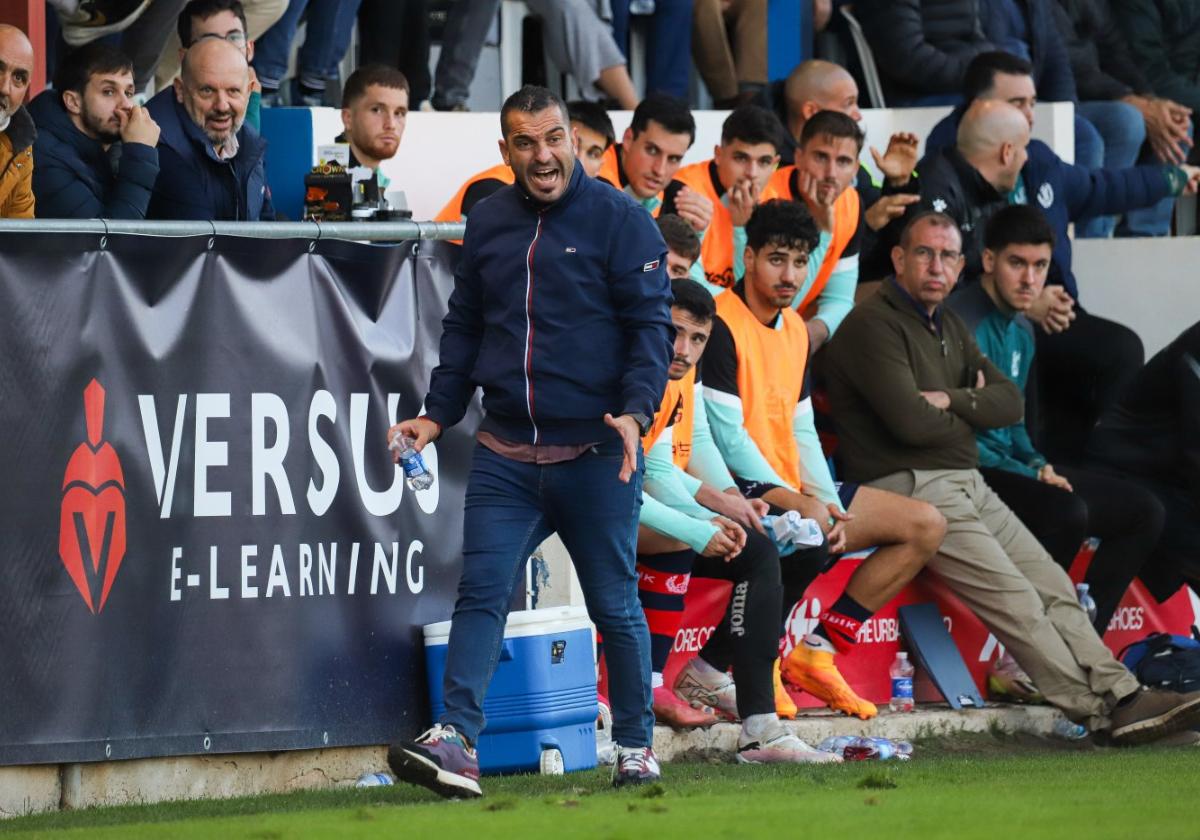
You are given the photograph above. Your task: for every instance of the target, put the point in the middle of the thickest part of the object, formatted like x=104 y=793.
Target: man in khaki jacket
x=16 y=126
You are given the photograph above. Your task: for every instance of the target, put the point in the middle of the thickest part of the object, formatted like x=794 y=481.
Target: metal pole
x=360 y=231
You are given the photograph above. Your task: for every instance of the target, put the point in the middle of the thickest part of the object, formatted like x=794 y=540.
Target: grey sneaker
x=700 y=688
x=778 y=746
x=95 y=19
x=439 y=760
x=1154 y=714
x=635 y=766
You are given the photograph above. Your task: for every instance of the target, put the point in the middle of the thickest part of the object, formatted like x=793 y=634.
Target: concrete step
x=25 y=790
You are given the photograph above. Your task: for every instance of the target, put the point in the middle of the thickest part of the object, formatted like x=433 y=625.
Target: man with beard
x=211 y=165
x=374 y=112
x=95 y=147
x=561 y=313
x=16 y=126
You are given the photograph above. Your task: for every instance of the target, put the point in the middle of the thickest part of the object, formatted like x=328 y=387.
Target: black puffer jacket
x=922 y=47
x=1100 y=58
x=1164 y=37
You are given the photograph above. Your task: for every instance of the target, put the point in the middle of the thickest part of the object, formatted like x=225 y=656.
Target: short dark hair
x=204 y=9
x=753 y=124
x=693 y=299
x=530 y=100
x=831 y=124
x=1017 y=224
x=78 y=67
x=680 y=236
x=938 y=219
x=671 y=112
x=371 y=74
x=784 y=223
x=593 y=115
x=983 y=69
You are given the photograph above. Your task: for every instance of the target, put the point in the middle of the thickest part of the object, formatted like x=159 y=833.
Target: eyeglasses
x=238 y=39
x=926 y=254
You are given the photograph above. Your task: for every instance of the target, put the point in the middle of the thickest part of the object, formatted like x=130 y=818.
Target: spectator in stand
x=695 y=523
x=817 y=85
x=826 y=165
x=594 y=134
x=909 y=389
x=1151 y=436
x=651 y=151
x=1112 y=87
x=1027 y=29
x=668 y=49
x=329 y=26
x=572 y=465
x=396 y=33
x=1061 y=505
x=1164 y=40
x=1083 y=368
x=729 y=47
x=683 y=245
x=734 y=181
x=575 y=39
x=95 y=150
x=374 y=113
x=922 y=47
x=218 y=19
x=238 y=21
x=17 y=131
x=210 y=163
x=756 y=395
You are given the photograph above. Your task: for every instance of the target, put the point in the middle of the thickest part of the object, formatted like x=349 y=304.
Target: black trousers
x=748 y=636
x=1127 y=518
x=396 y=33
x=1080 y=373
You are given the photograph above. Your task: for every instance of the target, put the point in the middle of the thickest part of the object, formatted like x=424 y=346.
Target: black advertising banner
x=205 y=545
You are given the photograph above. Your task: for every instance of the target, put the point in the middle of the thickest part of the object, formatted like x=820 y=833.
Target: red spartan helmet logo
x=91 y=534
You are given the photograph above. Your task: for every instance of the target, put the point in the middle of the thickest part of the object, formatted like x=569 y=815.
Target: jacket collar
x=187 y=138
x=971 y=178
x=903 y=301
x=21 y=130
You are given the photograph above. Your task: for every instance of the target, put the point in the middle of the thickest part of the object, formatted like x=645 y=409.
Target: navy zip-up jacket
x=193 y=183
x=561 y=313
x=75 y=178
x=1064 y=192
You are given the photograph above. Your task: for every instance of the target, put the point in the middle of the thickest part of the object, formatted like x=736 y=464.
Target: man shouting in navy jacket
x=561 y=313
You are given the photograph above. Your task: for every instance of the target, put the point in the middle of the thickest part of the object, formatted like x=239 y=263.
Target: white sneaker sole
x=418 y=770
x=1183 y=716
x=774 y=757
x=77 y=34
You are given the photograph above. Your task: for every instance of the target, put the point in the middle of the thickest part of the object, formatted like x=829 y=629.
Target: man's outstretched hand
x=628 y=429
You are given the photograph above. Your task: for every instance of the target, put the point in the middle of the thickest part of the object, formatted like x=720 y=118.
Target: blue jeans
x=669 y=47
x=1108 y=135
x=513 y=506
x=330 y=24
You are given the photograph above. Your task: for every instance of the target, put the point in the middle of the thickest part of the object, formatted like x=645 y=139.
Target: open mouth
x=544 y=178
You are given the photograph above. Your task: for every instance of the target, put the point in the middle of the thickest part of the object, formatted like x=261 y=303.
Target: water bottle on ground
x=902 y=684
x=877 y=749
x=416 y=475
x=1086 y=601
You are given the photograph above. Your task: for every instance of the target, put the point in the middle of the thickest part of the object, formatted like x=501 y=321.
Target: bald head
x=16 y=68
x=213 y=87
x=992 y=137
x=818 y=85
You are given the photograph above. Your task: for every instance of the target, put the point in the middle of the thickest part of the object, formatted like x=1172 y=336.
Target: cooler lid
x=546 y=621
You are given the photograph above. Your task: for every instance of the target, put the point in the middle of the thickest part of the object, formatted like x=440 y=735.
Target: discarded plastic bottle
x=902 y=684
x=791 y=531
x=877 y=749
x=416 y=475
x=1086 y=601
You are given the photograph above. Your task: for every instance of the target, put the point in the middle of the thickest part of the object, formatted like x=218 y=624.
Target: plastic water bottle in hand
x=902 y=683
x=416 y=474
x=1086 y=601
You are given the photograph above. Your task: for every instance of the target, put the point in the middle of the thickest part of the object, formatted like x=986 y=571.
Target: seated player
x=649 y=155
x=374 y=113
x=1061 y=505
x=735 y=180
x=756 y=395
x=683 y=245
x=593 y=132
x=694 y=521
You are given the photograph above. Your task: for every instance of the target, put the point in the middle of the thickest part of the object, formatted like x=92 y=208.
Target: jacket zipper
x=529 y=328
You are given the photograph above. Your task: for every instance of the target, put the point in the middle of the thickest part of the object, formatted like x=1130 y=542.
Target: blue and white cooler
x=541 y=707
